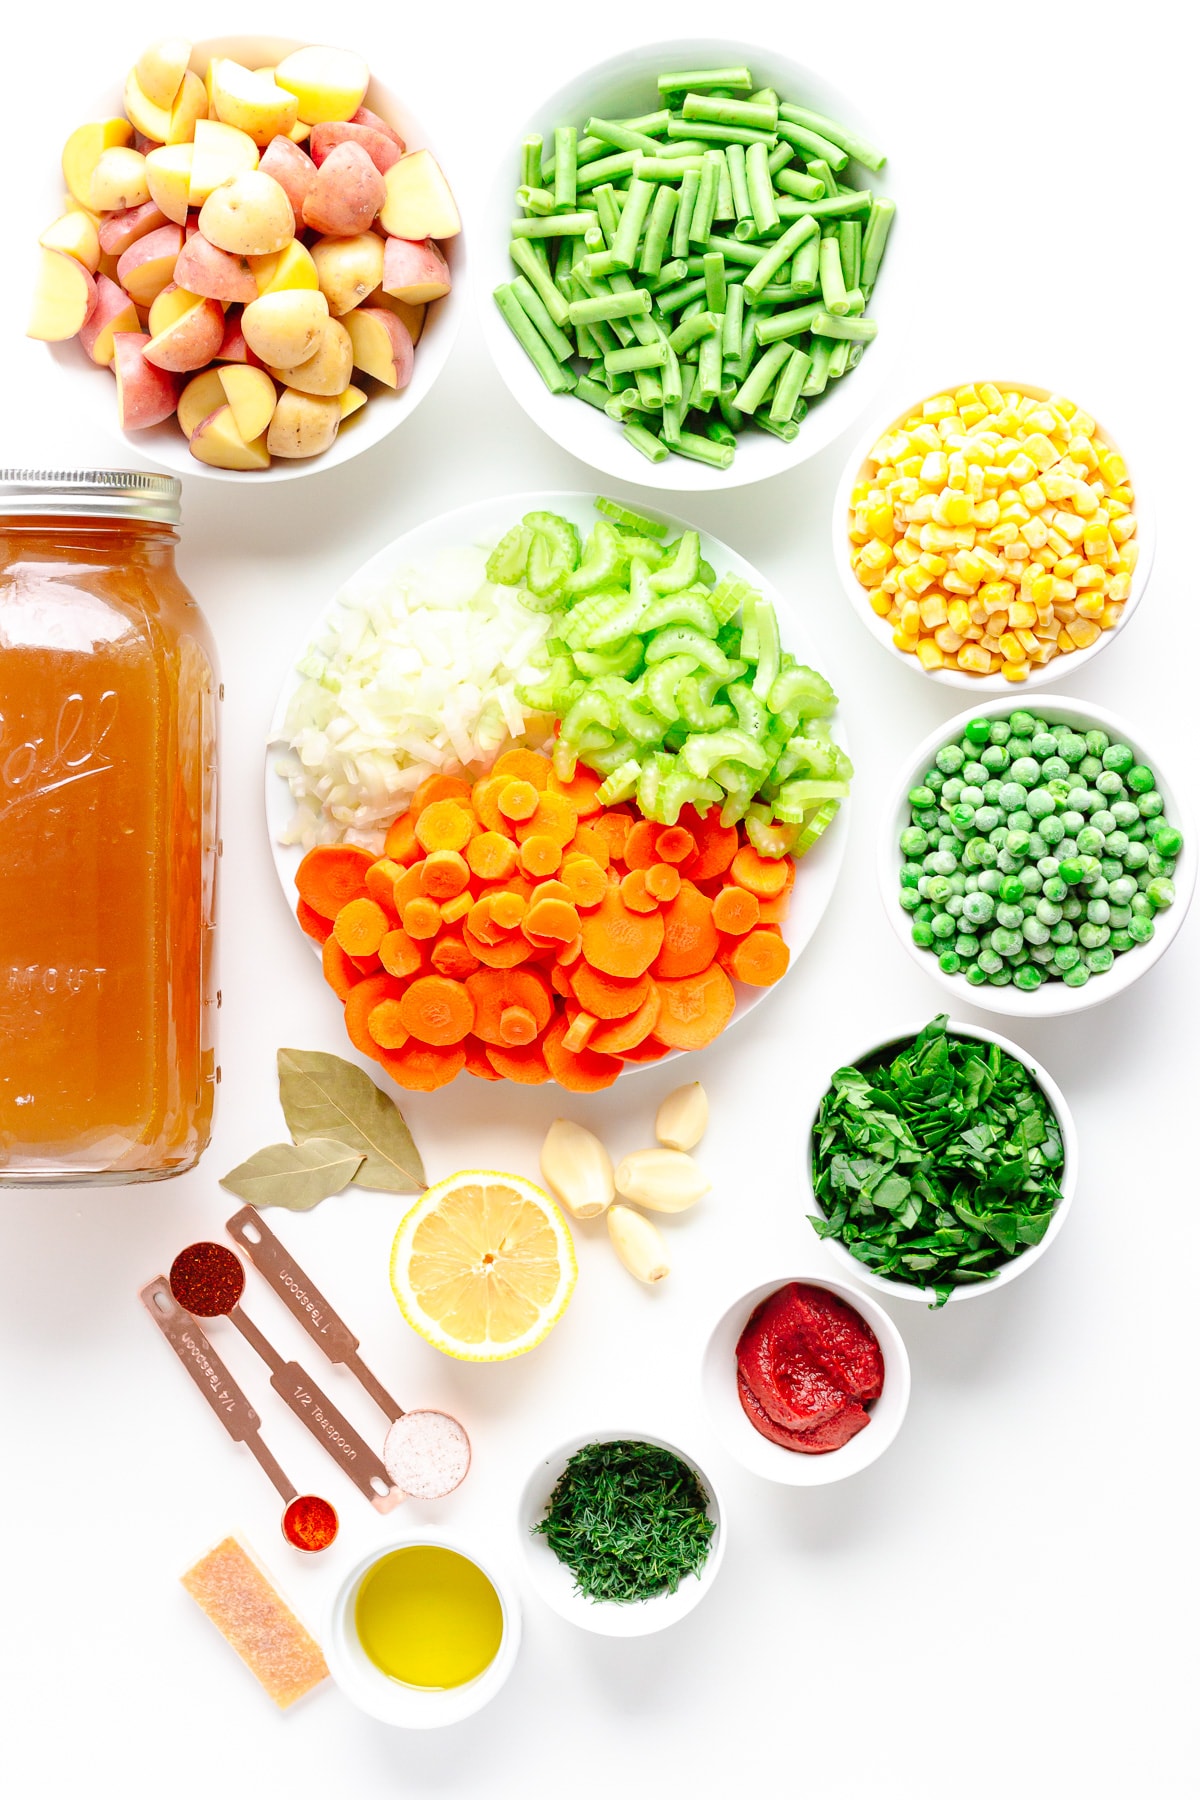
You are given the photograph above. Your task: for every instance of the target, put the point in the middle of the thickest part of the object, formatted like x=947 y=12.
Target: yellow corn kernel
x=1022 y=467
x=987 y=513
x=932 y=565
x=1009 y=647
x=1069 y=525
x=972 y=412
x=1066 y=566
x=929 y=655
x=940 y=406
x=1122 y=529
x=949 y=640
x=1014 y=671
x=1033 y=494
x=1067 y=409
x=1044 y=653
x=933 y=469
x=1063 y=592
x=995 y=596
x=1098 y=542
x=1119 y=586
x=1112 y=467
x=905 y=552
x=975 y=481
x=1089 y=577
x=925 y=437
x=1039 y=451
x=1089 y=606
x=933 y=610
x=880 y=602
x=975 y=658
x=903 y=642
x=1065 y=642
x=1085 y=501
x=1021 y=613
x=910 y=619
x=991 y=396
x=910 y=466
x=914 y=580
x=1112 y=612
x=1083 y=450
x=1083 y=632
x=879 y=518
x=953 y=508
x=1027 y=641
x=1127 y=557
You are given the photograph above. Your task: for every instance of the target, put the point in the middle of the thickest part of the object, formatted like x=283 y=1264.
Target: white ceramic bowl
x=393 y=1702
x=84 y=387
x=1040 y=675
x=792 y=1468
x=1053 y=998
x=1017 y=1265
x=622 y=87
x=555 y=1582
x=484 y=523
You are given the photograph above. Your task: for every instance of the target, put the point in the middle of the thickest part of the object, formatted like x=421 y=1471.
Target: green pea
x=1136 y=857
x=922 y=796
x=922 y=934
x=1025 y=771
x=1063 y=932
x=1028 y=978
x=1034 y=932
x=1119 y=917
x=1022 y=724
x=1108 y=782
x=1118 y=757
x=1001 y=731
x=1161 y=891
x=1071 y=871
x=978 y=908
x=1119 y=943
x=962 y=817
x=975 y=975
x=1140 y=778
x=1005 y=943
x=974 y=773
x=1150 y=805
x=978 y=731
x=1100 y=960
x=1096 y=741
x=1098 y=911
x=1000 y=977
x=1077 y=976
x=989 y=962
x=1044 y=744
x=1017 y=843
x=1066 y=956
x=994 y=757
x=966 y=947
x=910 y=899
x=1053 y=831
x=949 y=963
x=989 y=882
x=1090 y=842
x=1071 y=748
x=1168 y=841
x=1009 y=918
x=987 y=818
x=1047 y=911
x=1090 y=767
x=949 y=759
x=1140 y=930
x=1092 y=936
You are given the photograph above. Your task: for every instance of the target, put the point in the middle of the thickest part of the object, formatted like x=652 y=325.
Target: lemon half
x=483 y=1265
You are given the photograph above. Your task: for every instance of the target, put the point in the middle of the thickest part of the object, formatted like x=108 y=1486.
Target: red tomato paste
x=806 y=1363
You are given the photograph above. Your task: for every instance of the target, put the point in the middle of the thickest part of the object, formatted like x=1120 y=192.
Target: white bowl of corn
x=992 y=536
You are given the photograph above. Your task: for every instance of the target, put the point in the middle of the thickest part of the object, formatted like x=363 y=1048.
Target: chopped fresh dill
x=629 y=1520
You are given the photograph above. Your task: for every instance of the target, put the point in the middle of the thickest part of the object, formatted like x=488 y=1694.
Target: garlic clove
x=664 y=1180
x=577 y=1168
x=682 y=1118
x=639 y=1244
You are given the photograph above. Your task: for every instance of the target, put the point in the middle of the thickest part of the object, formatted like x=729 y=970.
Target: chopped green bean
x=565 y=140
x=779 y=325
x=761 y=192
x=638 y=356
x=592 y=392
x=556 y=378
x=854 y=203
x=731 y=333
x=735 y=160
x=532 y=304
x=531 y=162
x=833 y=286
x=532 y=266
x=702 y=81
x=703 y=450
x=799 y=185
x=853 y=331
x=683 y=218
x=722 y=134
x=627 y=241
x=621 y=137
x=714 y=280
x=779 y=253
x=811 y=143
x=700 y=223
x=787 y=389
x=674 y=298
x=659 y=168
x=650 y=446
x=722 y=111
x=850 y=245
x=535 y=200
x=560 y=225
x=883 y=211
x=609 y=306
x=758 y=383
x=658 y=229
x=723 y=210
x=856 y=147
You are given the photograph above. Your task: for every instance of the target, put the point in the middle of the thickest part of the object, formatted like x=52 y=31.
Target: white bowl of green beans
x=718 y=366
x=1055 y=996
x=992 y=1265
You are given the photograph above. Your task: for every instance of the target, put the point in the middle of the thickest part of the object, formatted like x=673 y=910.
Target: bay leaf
x=298 y=1176
x=325 y=1096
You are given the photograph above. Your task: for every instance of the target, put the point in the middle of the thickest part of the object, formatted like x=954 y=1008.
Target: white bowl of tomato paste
x=806 y=1380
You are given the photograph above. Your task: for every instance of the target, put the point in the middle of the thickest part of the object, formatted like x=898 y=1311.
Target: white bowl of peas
x=1063 y=801
x=938 y=650
x=737 y=308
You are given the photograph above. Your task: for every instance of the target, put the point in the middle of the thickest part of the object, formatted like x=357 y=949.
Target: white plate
x=622 y=87
x=485 y=522
x=83 y=386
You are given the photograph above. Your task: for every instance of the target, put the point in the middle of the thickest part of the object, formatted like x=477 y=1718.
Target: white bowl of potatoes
x=257 y=243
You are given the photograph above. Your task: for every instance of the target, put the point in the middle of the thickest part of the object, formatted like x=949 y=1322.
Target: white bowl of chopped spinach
x=622 y=1532
x=942 y=1163
x=791 y=1468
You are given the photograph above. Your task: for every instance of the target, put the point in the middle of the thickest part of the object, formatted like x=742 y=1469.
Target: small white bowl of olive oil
x=424 y=1632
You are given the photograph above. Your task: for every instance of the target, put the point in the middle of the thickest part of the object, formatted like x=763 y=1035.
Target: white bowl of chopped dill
x=752 y=417
x=622 y=1532
x=946 y=1155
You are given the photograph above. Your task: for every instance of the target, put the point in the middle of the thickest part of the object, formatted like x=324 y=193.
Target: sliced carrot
x=584 y=877
x=311 y=923
x=560 y=981
x=518 y=1025
x=636 y=894
x=760 y=958
x=444 y=825
x=695 y=1009
x=385 y=1024
x=484 y=797
x=639 y=850
x=361 y=927
x=551 y=919
x=477 y=1060
x=614 y=825
x=508 y=909
x=511 y=948
x=716 y=844
x=763 y=876
x=437 y=1010
x=444 y=873
x=690 y=938
x=649 y=1050
x=491 y=856
x=590 y=840
x=382 y=877
x=337 y=968
x=540 y=854
x=407 y=885
x=481 y=921
x=458 y=908
x=525 y=1063
x=361 y=1002
x=331 y=876
x=619 y=1036
x=549 y=890
x=735 y=911
x=618 y=941
x=494 y=990
x=525 y=765
x=662 y=880
x=774 y=912
x=608 y=996
x=581 y=790
x=424 y=1067
x=366 y=965
x=401 y=844
x=451 y=957
x=579 y=1030
x=421 y=918
x=439 y=787
x=400 y=954
x=581 y=1072
x=553 y=817
x=570 y=953
x=675 y=844
x=518 y=800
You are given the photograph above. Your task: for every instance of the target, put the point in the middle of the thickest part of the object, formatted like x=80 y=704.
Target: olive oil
x=428 y=1617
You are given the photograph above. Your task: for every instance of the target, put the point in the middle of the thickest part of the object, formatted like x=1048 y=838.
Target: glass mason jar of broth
x=108 y=834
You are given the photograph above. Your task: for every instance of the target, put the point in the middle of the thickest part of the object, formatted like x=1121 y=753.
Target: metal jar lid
x=90 y=493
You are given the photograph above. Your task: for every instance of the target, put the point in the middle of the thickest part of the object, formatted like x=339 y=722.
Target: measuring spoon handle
x=281 y=1271
x=212 y=1378
x=297 y=1389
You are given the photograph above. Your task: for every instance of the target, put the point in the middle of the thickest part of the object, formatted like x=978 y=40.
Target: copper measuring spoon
x=277 y=1266
x=207 y=1280
x=232 y=1407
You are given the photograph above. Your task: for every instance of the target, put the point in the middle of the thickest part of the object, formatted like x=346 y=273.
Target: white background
x=1003 y=1601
